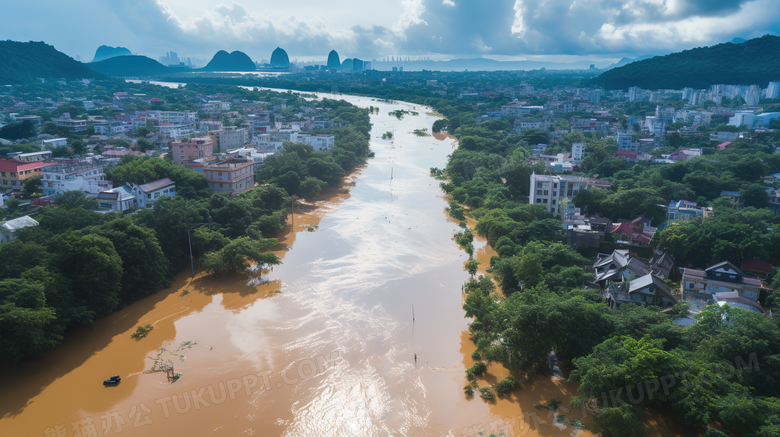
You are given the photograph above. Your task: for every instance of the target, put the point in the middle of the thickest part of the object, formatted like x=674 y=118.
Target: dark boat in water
x=112 y=380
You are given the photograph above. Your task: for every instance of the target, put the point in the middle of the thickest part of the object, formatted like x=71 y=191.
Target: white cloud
x=409 y=27
x=517 y=25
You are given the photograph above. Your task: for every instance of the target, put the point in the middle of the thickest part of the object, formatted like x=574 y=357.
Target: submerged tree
x=235 y=256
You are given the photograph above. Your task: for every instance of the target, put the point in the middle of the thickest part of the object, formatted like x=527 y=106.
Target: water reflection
x=343 y=296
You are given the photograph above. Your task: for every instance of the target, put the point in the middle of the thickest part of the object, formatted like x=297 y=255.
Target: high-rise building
x=695 y=98
x=633 y=93
x=773 y=90
x=753 y=95
x=548 y=191
x=577 y=152
x=625 y=142
x=686 y=94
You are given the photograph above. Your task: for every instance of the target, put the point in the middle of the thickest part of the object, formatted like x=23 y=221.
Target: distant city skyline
x=550 y=30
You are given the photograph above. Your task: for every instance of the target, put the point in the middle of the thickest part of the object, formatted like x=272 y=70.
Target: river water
x=323 y=345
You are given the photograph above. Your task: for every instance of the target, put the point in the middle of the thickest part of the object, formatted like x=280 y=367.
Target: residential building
x=320 y=123
x=539 y=149
x=115 y=128
x=13 y=173
x=633 y=93
x=216 y=106
x=233 y=175
x=683 y=210
x=146 y=194
x=625 y=142
x=251 y=153
x=742 y=118
x=752 y=95
x=117 y=199
x=70 y=124
x=205 y=126
x=53 y=143
x=646 y=290
x=773 y=90
x=89 y=178
x=584 y=232
x=320 y=142
x=637 y=231
x=617 y=267
x=735 y=197
x=548 y=191
x=577 y=152
x=229 y=137
x=168 y=125
x=44 y=155
x=665 y=114
x=9 y=228
x=196 y=148
x=516 y=109
x=721 y=277
x=523 y=123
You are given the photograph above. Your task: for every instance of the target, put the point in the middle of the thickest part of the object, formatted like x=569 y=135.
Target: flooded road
x=360 y=332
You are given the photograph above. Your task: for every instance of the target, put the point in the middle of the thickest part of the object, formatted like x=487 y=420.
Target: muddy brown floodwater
x=325 y=345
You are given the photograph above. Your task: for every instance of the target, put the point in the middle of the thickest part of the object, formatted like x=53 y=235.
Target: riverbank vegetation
x=608 y=350
x=304 y=172
x=545 y=307
x=79 y=264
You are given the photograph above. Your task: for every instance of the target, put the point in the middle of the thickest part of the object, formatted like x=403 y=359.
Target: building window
x=538 y=185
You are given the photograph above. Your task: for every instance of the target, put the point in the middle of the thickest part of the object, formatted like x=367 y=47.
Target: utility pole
x=189 y=240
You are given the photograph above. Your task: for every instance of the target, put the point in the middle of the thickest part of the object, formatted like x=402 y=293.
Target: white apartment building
x=216 y=106
x=168 y=124
x=625 y=142
x=319 y=142
x=548 y=191
x=206 y=126
x=577 y=152
x=228 y=138
x=773 y=90
x=54 y=143
x=146 y=194
x=753 y=95
x=116 y=128
x=265 y=142
x=89 y=178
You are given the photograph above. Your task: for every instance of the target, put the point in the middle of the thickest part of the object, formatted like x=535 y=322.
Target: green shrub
x=506 y=386
x=486 y=393
x=142 y=331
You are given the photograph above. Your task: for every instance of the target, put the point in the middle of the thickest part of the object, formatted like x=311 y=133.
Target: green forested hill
x=22 y=62
x=236 y=61
x=752 y=62
x=133 y=66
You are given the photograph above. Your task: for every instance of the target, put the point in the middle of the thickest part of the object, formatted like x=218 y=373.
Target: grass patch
x=141 y=331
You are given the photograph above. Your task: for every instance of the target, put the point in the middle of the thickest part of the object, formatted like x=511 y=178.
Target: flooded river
x=360 y=332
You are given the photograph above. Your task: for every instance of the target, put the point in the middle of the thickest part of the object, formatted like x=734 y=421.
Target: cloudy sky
x=440 y=29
